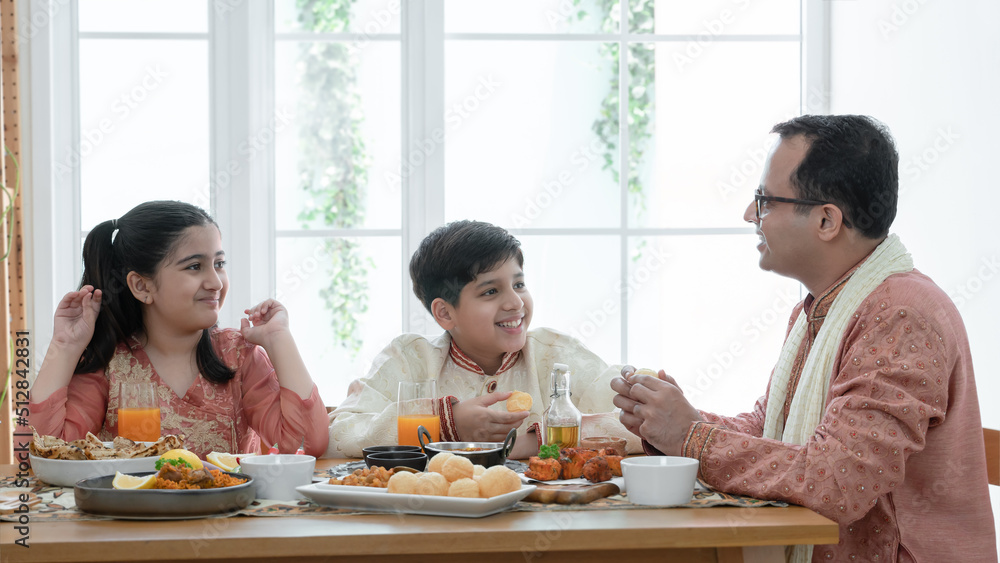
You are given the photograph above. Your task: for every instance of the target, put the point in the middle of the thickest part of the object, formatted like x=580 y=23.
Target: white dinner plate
x=377 y=499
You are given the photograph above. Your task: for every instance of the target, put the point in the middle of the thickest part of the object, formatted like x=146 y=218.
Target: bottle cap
x=560 y=367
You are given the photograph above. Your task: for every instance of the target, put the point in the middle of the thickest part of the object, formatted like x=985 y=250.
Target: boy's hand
x=476 y=422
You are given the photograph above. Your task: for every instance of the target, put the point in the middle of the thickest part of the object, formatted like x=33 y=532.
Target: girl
x=153 y=284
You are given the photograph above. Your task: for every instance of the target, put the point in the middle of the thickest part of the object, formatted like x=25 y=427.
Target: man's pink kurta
x=898 y=458
x=224 y=417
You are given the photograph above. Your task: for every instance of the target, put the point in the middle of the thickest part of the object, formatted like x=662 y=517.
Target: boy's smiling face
x=491 y=317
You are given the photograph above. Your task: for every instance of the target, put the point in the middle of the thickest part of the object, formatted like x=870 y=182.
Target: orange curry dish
x=183 y=477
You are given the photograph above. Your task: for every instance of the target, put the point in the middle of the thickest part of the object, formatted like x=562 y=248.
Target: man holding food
x=871 y=416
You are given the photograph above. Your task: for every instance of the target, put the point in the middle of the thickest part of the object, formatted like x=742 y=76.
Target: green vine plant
x=8 y=214
x=642 y=78
x=333 y=161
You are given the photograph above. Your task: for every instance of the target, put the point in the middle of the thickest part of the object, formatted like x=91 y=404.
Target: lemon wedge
x=185 y=455
x=224 y=461
x=123 y=481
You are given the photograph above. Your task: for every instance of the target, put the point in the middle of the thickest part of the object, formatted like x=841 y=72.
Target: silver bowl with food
x=486 y=454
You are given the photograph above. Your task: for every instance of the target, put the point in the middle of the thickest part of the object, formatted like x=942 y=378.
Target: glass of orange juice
x=417 y=406
x=138 y=411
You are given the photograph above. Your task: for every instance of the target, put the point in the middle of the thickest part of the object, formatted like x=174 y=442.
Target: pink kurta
x=213 y=417
x=898 y=458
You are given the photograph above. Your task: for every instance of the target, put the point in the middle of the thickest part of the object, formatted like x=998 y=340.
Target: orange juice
x=406 y=427
x=141 y=425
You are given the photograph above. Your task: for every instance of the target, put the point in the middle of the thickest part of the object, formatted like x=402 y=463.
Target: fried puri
x=437 y=462
x=466 y=488
x=432 y=484
x=457 y=467
x=404 y=483
x=498 y=480
x=519 y=401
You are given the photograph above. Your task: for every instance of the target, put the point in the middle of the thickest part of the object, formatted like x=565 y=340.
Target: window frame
x=241 y=32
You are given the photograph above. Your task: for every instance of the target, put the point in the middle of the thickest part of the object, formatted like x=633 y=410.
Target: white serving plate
x=66 y=472
x=377 y=499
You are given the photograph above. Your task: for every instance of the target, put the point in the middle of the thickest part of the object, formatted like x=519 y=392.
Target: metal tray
x=96 y=496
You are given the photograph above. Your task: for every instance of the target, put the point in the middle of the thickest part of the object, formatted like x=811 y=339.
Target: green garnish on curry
x=176 y=462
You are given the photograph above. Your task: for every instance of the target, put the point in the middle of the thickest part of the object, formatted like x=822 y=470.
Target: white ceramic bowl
x=660 y=480
x=66 y=472
x=277 y=475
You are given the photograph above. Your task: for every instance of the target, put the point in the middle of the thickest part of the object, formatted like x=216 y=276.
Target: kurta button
x=491 y=386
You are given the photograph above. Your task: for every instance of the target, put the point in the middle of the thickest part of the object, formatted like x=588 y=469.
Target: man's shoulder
x=915 y=292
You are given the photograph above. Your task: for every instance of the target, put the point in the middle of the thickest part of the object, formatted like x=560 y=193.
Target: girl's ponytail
x=103 y=270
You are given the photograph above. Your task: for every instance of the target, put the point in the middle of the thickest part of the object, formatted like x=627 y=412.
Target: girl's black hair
x=145 y=237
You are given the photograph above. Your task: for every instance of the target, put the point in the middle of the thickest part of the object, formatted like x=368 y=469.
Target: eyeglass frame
x=759 y=197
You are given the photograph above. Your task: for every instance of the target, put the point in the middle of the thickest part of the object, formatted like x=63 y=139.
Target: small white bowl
x=277 y=475
x=660 y=480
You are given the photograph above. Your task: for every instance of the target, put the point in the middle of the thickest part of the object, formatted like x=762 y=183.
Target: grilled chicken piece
x=615 y=463
x=597 y=470
x=170 y=473
x=547 y=469
x=200 y=478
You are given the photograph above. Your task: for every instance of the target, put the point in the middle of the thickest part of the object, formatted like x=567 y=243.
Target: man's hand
x=655 y=409
x=476 y=422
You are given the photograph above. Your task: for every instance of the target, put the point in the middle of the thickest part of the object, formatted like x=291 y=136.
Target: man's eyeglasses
x=760 y=199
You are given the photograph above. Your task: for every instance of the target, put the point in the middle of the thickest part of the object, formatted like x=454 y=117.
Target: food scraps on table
x=91 y=447
x=595 y=465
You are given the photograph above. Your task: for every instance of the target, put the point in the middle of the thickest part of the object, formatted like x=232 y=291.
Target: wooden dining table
x=718 y=534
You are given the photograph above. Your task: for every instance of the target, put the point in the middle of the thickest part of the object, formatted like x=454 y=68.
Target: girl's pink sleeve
x=74 y=410
x=279 y=414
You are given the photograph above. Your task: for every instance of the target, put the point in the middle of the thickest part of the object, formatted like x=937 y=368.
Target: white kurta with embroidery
x=368 y=416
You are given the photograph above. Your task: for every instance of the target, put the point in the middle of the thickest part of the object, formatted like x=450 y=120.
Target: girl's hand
x=76 y=315
x=268 y=318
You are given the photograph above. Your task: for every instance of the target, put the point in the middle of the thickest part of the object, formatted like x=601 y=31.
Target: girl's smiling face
x=190 y=286
x=491 y=317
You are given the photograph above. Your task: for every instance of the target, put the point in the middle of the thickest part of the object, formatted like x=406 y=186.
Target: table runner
x=58 y=503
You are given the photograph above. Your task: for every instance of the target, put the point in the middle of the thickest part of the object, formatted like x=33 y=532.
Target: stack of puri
x=595 y=465
x=455 y=476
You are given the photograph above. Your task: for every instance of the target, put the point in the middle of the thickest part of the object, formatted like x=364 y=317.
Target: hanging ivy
x=642 y=78
x=333 y=161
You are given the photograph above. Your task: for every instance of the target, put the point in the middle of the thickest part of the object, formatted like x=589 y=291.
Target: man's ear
x=444 y=313
x=831 y=222
x=140 y=286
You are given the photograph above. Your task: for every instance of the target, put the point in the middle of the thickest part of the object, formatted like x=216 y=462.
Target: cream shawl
x=809 y=402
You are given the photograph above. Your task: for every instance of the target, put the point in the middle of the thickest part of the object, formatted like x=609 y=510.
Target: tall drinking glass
x=138 y=411
x=417 y=406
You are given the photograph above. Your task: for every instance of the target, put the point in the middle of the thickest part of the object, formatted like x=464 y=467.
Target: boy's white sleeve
x=367 y=417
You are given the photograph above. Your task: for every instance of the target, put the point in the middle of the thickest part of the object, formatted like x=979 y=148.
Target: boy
x=469 y=277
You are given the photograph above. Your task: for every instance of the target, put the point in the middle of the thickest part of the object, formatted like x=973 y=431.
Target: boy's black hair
x=454 y=254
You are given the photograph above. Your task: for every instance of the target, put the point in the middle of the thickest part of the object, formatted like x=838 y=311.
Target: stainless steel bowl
x=487 y=454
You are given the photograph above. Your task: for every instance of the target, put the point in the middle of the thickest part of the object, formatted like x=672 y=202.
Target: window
x=619 y=141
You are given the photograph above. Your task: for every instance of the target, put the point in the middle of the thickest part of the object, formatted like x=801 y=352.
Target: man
x=871 y=416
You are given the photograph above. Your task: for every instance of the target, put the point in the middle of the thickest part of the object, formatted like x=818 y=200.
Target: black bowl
x=382 y=449
x=486 y=454
x=389 y=460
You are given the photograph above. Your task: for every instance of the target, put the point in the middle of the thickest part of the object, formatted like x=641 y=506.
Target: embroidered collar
x=465 y=362
x=817 y=307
